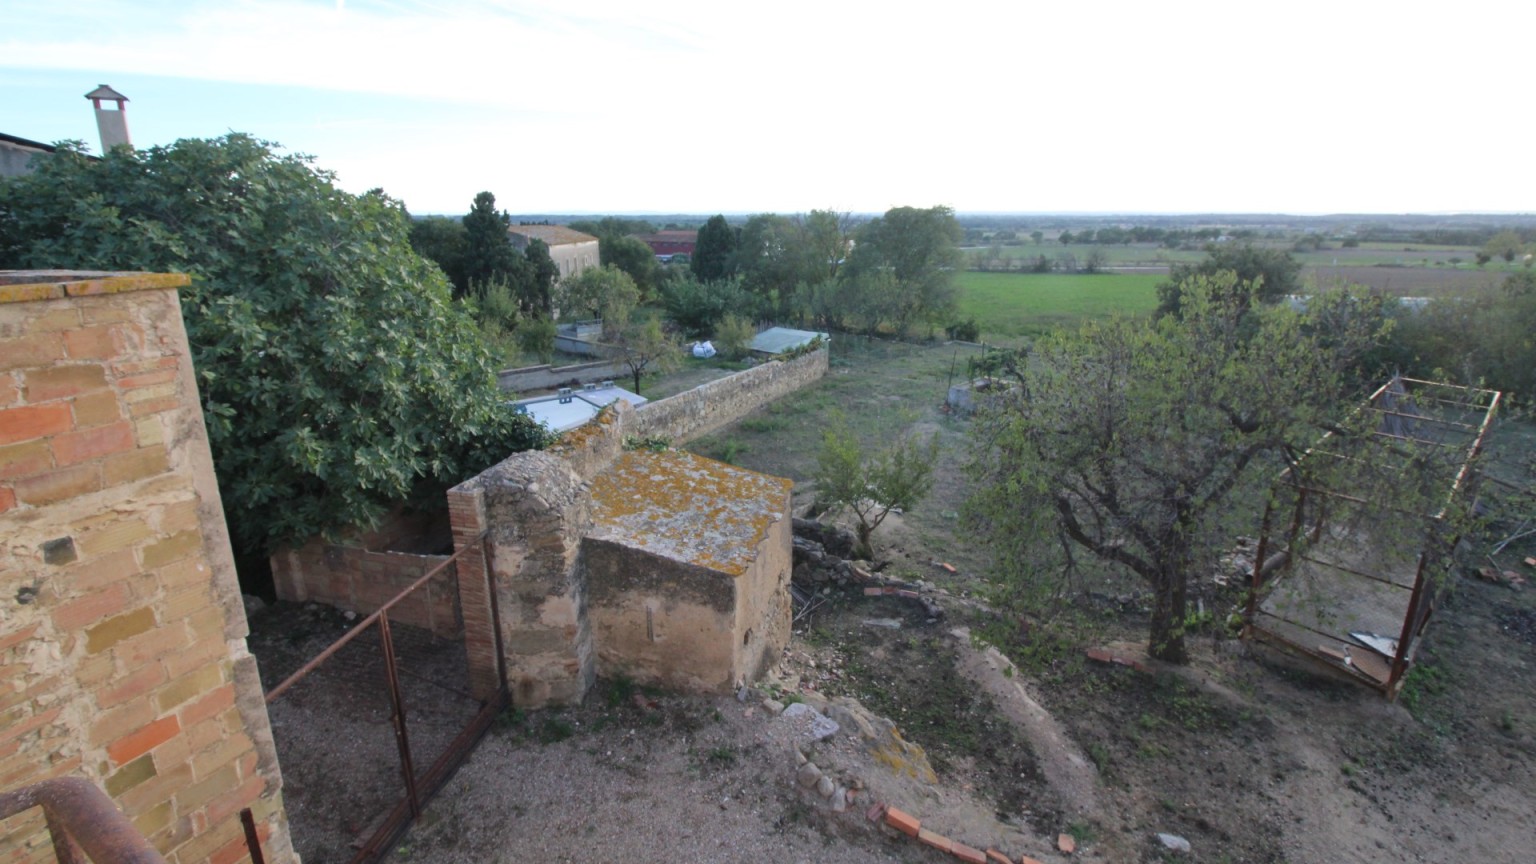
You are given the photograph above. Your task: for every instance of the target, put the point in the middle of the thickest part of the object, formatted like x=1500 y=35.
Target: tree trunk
x=1168 y=608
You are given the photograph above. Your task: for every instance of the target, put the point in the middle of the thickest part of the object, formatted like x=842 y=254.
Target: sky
x=703 y=106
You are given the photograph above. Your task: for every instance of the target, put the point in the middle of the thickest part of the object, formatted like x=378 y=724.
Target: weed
x=723 y=755
x=1083 y=832
x=555 y=729
x=1100 y=756
x=1422 y=683
x=654 y=443
x=619 y=691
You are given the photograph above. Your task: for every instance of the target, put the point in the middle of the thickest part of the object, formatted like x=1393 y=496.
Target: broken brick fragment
x=902 y=821
x=948 y=567
x=937 y=841
x=967 y=854
x=1066 y=843
x=997 y=857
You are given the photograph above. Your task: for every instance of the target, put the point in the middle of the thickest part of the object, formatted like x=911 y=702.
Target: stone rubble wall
x=719 y=403
x=122 y=632
x=362 y=580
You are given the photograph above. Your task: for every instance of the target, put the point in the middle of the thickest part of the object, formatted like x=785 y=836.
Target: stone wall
x=122 y=632
x=545 y=377
x=719 y=403
x=362 y=580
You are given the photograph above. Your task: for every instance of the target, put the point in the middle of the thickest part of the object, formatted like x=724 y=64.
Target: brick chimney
x=111 y=122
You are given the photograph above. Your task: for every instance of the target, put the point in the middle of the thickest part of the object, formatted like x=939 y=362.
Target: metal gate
x=374 y=725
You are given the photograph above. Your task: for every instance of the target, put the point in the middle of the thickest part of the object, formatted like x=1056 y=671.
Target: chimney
x=111 y=122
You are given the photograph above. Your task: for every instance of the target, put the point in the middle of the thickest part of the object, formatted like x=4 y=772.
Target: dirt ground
x=1248 y=754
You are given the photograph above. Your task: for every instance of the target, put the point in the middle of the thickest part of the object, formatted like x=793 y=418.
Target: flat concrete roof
x=682 y=506
x=777 y=340
x=560 y=414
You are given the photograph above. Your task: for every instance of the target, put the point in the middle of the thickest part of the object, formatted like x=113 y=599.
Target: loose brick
x=180 y=545
x=87 y=444
x=136 y=744
x=114 y=630
x=7 y=498
x=902 y=821
x=96 y=409
x=1066 y=843
x=130 y=775
x=123 y=468
x=25 y=459
x=62 y=382
x=93 y=607
x=58 y=485
x=27 y=422
x=967 y=854
x=937 y=841
x=1025 y=859
x=997 y=857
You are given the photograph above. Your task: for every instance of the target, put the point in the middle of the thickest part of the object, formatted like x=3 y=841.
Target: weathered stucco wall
x=721 y=402
x=122 y=633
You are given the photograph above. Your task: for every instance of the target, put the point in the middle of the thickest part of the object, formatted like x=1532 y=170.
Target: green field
x=1011 y=305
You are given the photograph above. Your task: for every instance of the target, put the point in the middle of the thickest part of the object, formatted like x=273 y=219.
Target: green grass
x=1011 y=305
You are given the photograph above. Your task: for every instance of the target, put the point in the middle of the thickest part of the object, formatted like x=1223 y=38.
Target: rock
x=773 y=706
x=253 y=605
x=1174 y=843
x=808 y=775
x=887 y=623
x=800 y=757
x=825 y=787
x=349 y=615
x=815 y=725
x=839 y=800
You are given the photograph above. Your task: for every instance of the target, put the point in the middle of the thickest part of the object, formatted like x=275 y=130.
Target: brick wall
x=122 y=634
x=362 y=580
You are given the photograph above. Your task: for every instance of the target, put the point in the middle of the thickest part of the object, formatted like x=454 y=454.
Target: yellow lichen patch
x=686 y=507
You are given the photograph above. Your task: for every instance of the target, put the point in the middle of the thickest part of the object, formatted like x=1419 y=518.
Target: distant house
x=665 y=244
x=571 y=250
x=17 y=155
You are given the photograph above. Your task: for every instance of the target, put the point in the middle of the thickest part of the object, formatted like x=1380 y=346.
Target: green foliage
x=337 y=375
x=715 y=251
x=1481 y=340
x=642 y=346
x=540 y=276
x=1127 y=440
x=445 y=242
x=733 y=336
x=698 y=307
x=1273 y=273
x=488 y=252
x=634 y=258
x=902 y=269
x=964 y=331
x=653 y=443
x=536 y=338
x=598 y=292
x=895 y=477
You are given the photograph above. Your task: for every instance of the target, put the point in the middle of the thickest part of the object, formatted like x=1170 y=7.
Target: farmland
x=1013 y=305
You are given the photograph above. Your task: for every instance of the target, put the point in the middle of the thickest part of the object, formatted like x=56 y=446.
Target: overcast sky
x=684 y=106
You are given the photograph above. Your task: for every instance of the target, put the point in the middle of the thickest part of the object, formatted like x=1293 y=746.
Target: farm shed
x=1356 y=543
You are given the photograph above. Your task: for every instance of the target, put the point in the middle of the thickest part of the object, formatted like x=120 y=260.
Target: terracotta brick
x=153 y=406
x=207 y=624
x=188 y=687
x=997 y=857
x=967 y=854
x=183 y=575
x=60 y=316
x=36 y=349
x=902 y=821
x=94 y=572
x=208 y=706
x=180 y=545
x=184 y=603
x=62 y=382
x=229 y=803
x=136 y=744
x=10 y=640
x=151 y=647
x=87 y=610
x=1025 y=859
x=25 y=459
x=1066 y=843
x=155 y=819
x=27 y=422
x=196 y=795
x=7 y=498
x=10 y=391
x=94 y=343
x=87 y=444
x=107 y=726
x=146 y=379
x=150 y=394
x=101 y=314
x=162 y=787
x=123 y=468
x=142 y=680
x=130 y=775
x=105 y=537
x=180 y=516
x=134 y=367
x=59 y=485
x=114 y=630
x=96 y=409
x=17 y=729
x=232 y=852
x=149 y=430
x=194 y=655
x=937 y=841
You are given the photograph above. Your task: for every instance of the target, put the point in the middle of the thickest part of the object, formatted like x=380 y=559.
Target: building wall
x=572 y=258
x=122 y=632
x=763 y=615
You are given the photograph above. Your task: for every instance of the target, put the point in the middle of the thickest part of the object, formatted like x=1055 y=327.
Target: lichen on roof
x=686 y=507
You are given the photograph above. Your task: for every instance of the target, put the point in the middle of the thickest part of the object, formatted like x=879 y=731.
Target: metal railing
x=85 y=824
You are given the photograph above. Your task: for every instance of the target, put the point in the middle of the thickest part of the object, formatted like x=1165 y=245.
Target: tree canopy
x=1130 y=441
x=337 y=375
x=1272 y=273
x=714 y=252
x=908 y=258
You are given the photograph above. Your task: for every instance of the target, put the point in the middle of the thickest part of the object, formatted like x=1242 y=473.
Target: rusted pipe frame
x=1422 y=418
x=82 y=819
x=397 y=717
x=362 y=625
x=490 y=580
x=1363 y=575
x=252 y=838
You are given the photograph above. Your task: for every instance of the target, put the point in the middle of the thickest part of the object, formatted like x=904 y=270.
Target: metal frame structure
x=1412 y=416
x=84 y=823
x=416 y=792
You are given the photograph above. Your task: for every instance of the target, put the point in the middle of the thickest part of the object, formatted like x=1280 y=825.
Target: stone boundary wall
x=122 y=636
x=361 y=580
x=719 y=403
x=546 y=376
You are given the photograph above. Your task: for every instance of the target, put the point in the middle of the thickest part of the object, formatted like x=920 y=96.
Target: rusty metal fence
x=370 y=728
x=82 y=822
